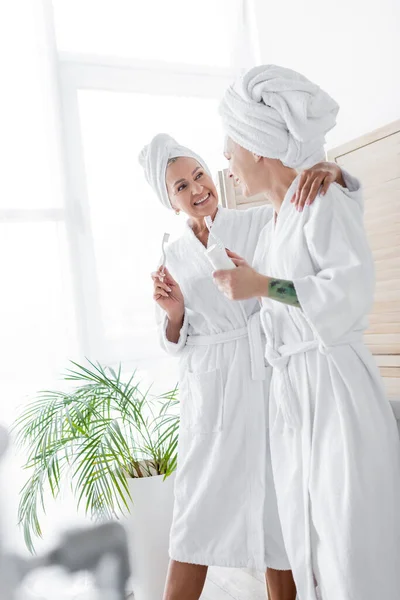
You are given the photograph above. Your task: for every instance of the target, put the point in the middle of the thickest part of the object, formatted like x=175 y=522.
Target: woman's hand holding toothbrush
x=168 y=295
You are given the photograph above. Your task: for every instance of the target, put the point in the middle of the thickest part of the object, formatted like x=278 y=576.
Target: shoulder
x=335 y=203
x=334 y=214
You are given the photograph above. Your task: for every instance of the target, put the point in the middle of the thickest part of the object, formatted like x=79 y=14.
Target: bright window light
x=180 y=31
x=127 y=220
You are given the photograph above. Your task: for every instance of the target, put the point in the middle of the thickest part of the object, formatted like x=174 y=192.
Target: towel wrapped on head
x=154 y=159
x=278 y=113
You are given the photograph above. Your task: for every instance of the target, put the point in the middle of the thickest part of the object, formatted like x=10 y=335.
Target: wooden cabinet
x=375 y=159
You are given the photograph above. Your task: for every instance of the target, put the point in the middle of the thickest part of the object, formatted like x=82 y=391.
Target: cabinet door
x=375 y=160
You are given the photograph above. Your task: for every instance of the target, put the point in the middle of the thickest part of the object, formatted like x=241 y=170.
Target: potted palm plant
x=117 y=447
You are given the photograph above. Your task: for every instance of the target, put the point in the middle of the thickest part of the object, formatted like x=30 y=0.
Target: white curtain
x=38 y=300
x=37 y=323
x=36 y=316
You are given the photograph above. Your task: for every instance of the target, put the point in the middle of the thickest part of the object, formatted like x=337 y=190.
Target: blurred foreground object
x=101 y=550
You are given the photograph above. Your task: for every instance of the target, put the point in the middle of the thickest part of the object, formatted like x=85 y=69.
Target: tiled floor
x=234 y=584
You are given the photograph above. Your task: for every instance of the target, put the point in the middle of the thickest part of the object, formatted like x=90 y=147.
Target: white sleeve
x=162 y=324
x=341 y=291
x=353 y=189
x=352 y=183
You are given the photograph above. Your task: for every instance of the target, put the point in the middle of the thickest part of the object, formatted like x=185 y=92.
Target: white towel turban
x=154 y=159
x=278 y=113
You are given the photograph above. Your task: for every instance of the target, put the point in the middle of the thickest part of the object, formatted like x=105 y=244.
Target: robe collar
x=218 y=217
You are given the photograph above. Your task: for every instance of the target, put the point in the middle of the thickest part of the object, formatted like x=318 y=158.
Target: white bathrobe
x=333 y=436
x=225 y=510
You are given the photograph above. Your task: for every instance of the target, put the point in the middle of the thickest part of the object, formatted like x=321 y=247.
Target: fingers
x=233 y=254
x=238 y=262
x=219 y=276
x=163 y=286
x=220 y=283
x=223 y=276
x=168 y=274
x=158 y=277
x=162 y=274
x=326 y=184
x=302 y=181
x=314 y=189
x=160 y=292
x=302 y=194
x=311 y=184
x=235 y=258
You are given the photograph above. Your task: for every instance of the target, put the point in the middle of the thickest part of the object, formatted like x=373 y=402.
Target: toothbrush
x=164 y=256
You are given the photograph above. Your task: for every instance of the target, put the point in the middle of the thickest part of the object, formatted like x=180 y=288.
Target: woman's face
x=190 y=188
x=246 y=168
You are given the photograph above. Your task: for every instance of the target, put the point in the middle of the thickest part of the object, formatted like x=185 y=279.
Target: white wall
x=351 y=48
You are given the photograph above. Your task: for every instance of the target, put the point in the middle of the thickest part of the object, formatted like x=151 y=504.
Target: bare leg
x=184 y=581
x=280 y=585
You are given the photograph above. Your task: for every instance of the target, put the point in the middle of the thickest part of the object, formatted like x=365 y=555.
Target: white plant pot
x=148 y=526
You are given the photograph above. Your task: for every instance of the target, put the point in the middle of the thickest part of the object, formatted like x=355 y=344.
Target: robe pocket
x=203 y=406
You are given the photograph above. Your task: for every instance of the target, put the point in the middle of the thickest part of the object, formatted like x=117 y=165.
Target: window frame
x=83 y=72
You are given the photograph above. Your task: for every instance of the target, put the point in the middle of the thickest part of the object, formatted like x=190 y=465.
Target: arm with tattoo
x=282 y=290
x=245 y=282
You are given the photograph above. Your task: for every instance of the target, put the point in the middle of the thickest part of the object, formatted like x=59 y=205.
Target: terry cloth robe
x=333 y=436
x=225 y=511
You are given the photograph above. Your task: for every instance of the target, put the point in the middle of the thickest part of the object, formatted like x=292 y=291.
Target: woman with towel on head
x=333 y=436
x=225 y=507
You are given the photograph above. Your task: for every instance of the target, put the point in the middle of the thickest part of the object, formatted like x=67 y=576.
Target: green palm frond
x=95 y=436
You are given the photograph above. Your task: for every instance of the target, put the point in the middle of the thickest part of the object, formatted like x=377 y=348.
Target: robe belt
x=254 y=335
x=278 y=358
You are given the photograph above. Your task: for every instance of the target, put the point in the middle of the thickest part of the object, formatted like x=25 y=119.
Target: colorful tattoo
x=283 y=291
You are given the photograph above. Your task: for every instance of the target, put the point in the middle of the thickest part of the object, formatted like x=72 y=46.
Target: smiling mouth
x=202 y=200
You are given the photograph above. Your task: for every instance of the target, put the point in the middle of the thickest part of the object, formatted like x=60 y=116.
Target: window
x=111 y=108
x=126 y=220
x=80 y=228
x=174 y=31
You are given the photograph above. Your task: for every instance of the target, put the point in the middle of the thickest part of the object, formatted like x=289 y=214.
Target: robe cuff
x=174 y=347
x=353 y=188
x=352 y=183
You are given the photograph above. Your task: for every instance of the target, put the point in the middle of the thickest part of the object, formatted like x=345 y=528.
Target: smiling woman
x=212 y=522
x=194 y=192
